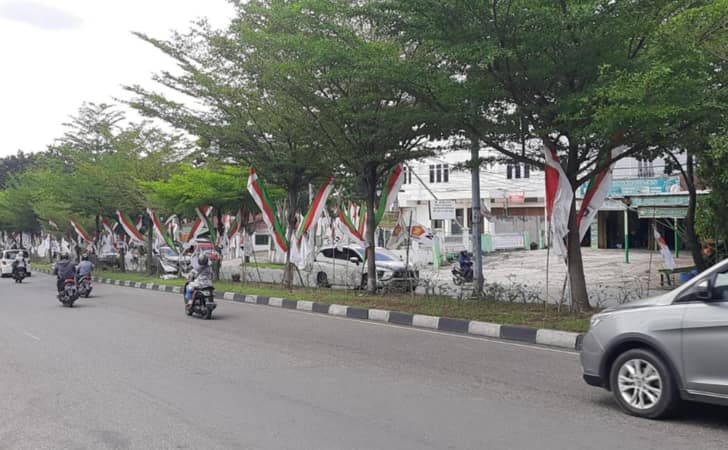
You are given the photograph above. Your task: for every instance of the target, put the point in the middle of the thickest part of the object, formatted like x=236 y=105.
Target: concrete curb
x=540 y=336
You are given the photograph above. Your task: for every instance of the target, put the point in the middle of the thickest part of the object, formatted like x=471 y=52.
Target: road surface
x=128 y=369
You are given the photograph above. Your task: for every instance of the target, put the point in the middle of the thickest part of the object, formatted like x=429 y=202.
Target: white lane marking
x=32 y=336
x=573 y=353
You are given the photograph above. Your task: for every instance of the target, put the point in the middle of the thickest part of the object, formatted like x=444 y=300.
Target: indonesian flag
x=80 y=231
x=596 y=193
x=199 y=223
x=390 y=189
x=559 y=196
x=664 y=250
x=260 y=196
x=129 y=227
x=139 y=222
x=159 y=229
x=314 y=212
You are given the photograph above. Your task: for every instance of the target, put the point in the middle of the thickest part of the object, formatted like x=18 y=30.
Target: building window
x=437 y=224
x=262 y=239
x=513 y=170
x=407 y=175
x=439 y=173
x=645 y=169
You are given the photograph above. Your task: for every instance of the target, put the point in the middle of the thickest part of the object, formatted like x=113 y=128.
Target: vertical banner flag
x=559 y=196
x=235 y=225
x=159 y=229
x=80 y=231
x=314 y=212
x=260 y=195
x=348 y=228
x=390 y=189
x=596 y=193
x=664 y=250
x=129 y=227
x=204 y=216
x=199 y=223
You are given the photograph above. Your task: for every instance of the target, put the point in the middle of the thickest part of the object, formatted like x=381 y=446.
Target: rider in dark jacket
x=64 y=269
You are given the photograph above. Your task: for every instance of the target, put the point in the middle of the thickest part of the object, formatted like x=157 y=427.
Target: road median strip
x=539 y=336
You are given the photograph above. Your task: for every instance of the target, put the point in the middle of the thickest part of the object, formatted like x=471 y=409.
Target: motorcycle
x=203 y=302
x=19 y=273
x=84 y=286
x=69 y=294
x=462 y=275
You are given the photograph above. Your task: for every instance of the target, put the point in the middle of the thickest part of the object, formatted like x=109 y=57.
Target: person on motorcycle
x=466 y=265
x=64 y=270
x=19 y=262
x=84 y=267
x=198 y=278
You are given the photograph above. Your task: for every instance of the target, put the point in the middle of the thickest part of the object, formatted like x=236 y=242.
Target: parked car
x=345 y=266
x=109 y=259
x=169 y=260
x=203 y=247
x=653 y=353
x=6 y=262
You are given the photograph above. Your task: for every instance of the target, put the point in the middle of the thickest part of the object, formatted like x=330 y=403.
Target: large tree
x=512 y=71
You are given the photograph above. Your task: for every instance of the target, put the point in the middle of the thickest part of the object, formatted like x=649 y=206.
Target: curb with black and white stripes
x=540 y=336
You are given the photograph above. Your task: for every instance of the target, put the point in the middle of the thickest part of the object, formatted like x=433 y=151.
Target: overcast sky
x=56 y=54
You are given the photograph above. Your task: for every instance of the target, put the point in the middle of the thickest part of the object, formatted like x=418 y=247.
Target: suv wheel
x=643 y=385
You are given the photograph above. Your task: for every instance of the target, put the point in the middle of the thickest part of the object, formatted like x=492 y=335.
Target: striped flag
x=199 y=223
x=260 y=196
x=204 y=217
x=235 y=225
x=319 y=202
x=559 y=196
x=80 y=231
x=159 y=229
x=129 y=227
x=596 y=193
x=390 y=189
x=347 y=227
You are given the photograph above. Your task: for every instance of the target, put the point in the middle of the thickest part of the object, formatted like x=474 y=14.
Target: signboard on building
x=661 y=212
x=517 y=197
x=442 y=209
x=633 y=186
x=390 y=219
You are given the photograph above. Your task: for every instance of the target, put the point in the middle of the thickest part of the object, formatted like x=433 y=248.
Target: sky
x=57 y=54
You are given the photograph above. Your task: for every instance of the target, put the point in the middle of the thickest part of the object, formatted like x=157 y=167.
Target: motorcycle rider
x=466 y=265
x=84 y=267
x=198 y=278
x=19 y=262
x=64 y=269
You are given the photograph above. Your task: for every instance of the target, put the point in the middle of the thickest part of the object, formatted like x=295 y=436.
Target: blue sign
x=622 y=187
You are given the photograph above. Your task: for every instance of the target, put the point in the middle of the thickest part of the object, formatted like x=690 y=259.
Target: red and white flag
x=129 y=227
x=559 y=196
x=390 y=190
x=596 y=193
x=80 y=231
x=314 y=212
x=260 y=196
x=664 y=250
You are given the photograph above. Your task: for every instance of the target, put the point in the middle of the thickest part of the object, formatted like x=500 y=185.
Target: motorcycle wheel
x=208 y=314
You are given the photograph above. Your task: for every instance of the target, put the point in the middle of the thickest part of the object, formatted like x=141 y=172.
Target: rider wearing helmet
x=198 y=278
x=84 y=267
x=64 y=269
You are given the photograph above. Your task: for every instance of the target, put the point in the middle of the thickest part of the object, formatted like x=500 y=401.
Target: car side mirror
x=703 y=291
x=355 y=260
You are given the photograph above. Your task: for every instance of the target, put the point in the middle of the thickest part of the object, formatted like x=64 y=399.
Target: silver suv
x=655 y=352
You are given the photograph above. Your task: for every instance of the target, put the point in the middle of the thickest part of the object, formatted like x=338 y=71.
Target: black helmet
x=84 y=258
x=64 y=255
x=202 y=260
x=464 y=252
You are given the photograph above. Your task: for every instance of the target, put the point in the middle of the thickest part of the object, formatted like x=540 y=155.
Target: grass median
x=536 y=315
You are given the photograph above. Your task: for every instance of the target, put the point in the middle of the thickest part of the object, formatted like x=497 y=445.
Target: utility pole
x=477 y=216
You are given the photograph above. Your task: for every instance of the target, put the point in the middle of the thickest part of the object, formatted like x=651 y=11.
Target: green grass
x=512 y=313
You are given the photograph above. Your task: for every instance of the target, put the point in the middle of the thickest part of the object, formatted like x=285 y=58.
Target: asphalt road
x=128 y=369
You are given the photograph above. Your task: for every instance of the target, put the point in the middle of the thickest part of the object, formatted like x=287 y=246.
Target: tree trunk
x=290 y=236
x=371 y=186
x=690 y=234
x=150 y=238
x=97 y=235
x=577 y=282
